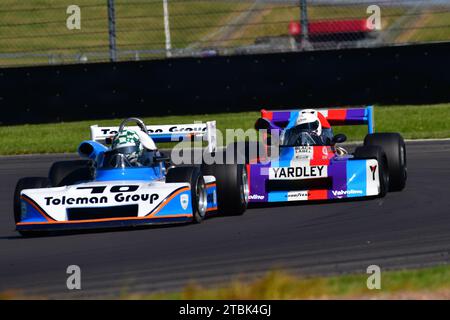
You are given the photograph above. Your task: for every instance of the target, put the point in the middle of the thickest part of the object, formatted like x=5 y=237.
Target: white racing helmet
x=309 y=120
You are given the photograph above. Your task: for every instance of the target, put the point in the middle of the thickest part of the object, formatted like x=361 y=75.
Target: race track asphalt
x=406 y=229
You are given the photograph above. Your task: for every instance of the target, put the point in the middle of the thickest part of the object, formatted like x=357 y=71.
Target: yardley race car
x=129 y=183
x=310 y=165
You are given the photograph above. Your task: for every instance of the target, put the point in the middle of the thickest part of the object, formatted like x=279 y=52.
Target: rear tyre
x=232 y=187
x=377 y=153
x=22 y=184
x=65 y=173
x=193 y=176
x=395 y=149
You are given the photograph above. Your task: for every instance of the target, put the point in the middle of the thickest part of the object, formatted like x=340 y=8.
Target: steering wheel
x=138 y=121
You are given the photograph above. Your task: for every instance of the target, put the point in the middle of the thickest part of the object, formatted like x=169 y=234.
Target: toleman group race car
x=124 y=180
x=309 y=164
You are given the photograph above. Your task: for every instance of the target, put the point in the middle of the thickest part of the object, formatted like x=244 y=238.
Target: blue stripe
x=356 y=178
x=293 y=119
x=174 y=206
x=278 y=196
x=285 y=158
x=370 y=119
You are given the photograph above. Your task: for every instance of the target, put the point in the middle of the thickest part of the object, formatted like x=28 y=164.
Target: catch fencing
x=83 y=31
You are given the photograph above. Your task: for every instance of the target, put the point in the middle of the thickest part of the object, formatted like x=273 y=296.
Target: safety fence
x=81 y=31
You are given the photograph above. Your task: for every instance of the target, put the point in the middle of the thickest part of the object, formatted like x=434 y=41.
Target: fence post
x=112 y=31
x=304 y=19
x=167 y=29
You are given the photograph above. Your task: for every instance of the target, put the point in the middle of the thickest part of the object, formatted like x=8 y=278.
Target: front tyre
x=22 y=184
x=395 y=149
x=66 y=173
x=377 y=153
x=194 y=177
x=232 y=187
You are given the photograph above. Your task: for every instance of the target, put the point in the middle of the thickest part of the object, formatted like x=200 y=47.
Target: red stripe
x=319 y=162
x=248 y=178
x=266 y=114
x=323 y=121
x=337 y=116
x=317 y=195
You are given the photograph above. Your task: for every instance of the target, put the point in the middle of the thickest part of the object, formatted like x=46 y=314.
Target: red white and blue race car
x=307 y=163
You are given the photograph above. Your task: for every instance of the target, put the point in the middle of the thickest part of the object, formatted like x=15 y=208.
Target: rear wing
x=335 y=116
x=166 y=133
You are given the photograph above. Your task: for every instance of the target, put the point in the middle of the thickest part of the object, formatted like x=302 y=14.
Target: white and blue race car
x=106 y=189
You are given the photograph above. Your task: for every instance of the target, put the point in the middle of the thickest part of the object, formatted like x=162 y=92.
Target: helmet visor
x=124 y=157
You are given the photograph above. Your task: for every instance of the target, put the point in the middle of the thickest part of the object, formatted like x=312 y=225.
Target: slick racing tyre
x=66 y=173
x=377 y=153
x=394 y=147
x=232 y=187
x=193 y=176
x=26 y=183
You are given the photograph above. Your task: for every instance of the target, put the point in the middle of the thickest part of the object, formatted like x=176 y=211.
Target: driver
x=132 y=148
x=311 y=128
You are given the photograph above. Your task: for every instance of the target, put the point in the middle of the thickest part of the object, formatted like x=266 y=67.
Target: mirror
x=109 y=141
x=262 y=124
x=339 y=138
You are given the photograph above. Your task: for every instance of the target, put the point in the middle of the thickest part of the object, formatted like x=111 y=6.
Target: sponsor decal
x=109 y=132
x=184 y=201
x=120 y=196
x=297 y=195
x=303 y=149
x=256 y=197
x=340 y=193
x=298 y=172
x=373 y=169
x=303 y=152
x=71 y=201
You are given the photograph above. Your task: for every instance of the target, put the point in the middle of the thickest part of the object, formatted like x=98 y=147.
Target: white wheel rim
x=202 y=202
x=245 y=189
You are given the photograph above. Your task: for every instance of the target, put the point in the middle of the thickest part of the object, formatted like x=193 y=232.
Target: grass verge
x=41 y=28
x=430 y=283
x=426 y=283
x=413 y=122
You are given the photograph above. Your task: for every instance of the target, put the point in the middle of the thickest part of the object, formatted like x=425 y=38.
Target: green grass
x=281 y=285
x=413 y=122
x=436 y=27
x=426 y=283
x=138 y=26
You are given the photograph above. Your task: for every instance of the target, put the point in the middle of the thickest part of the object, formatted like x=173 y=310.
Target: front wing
x=313 y=180
x=98 y=205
